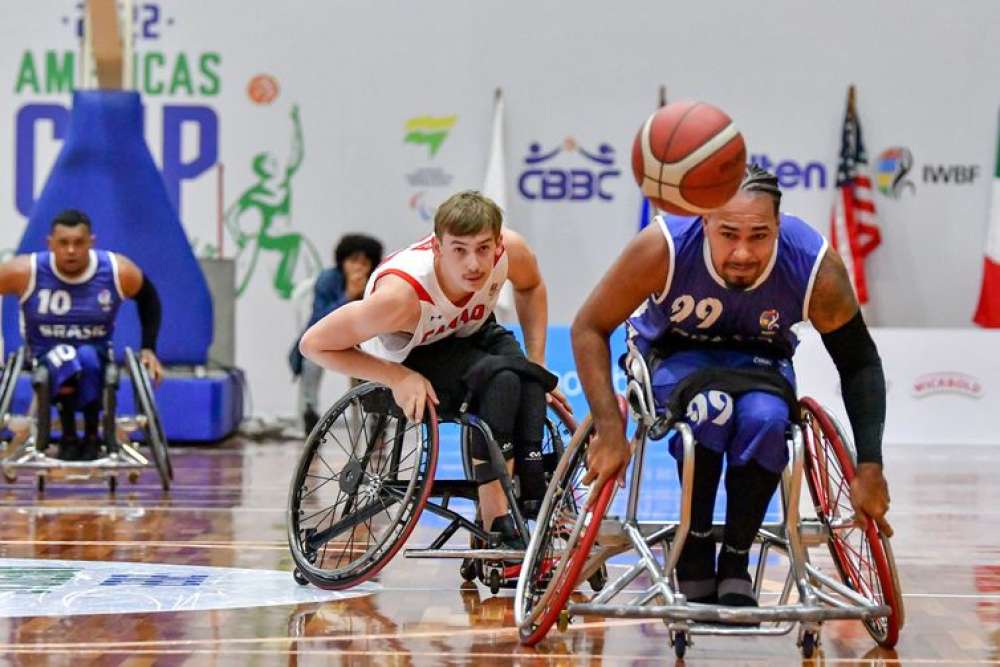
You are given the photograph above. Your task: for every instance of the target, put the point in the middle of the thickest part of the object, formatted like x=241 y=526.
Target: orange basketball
x=688 y=158
x=262 y=89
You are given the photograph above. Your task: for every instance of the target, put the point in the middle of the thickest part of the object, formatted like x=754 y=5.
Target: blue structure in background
x=106 y=170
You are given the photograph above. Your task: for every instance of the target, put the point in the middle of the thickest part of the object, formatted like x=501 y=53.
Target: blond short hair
x=466 y=214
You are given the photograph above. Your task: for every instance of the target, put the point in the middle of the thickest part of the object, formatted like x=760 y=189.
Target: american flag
x=852 y=222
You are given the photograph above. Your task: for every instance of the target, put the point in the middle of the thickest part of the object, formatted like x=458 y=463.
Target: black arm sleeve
x=148 y=303
x=862 y=384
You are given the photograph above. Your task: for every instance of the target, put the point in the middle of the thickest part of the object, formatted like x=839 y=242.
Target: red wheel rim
x=577 y=558
x=858 y=553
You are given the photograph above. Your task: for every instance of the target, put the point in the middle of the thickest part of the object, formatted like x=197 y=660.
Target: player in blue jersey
x=711 y=302
x=69 y=299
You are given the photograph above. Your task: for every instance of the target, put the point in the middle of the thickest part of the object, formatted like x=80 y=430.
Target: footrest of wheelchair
x=478 y=554
x=737 y=615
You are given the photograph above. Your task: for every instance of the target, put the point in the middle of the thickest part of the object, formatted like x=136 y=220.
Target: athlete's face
x=741 y=237
x=71 y=248
x=466 y=262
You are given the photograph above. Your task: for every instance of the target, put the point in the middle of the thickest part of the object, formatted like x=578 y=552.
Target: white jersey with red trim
x=439 y=317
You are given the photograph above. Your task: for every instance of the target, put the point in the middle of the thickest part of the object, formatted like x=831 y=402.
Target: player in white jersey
x=426 y=321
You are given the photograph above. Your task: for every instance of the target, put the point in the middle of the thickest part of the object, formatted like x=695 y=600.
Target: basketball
x=262 y=89
x=688 y=158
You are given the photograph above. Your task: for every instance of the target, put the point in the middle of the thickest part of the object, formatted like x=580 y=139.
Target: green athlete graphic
x=264 y=201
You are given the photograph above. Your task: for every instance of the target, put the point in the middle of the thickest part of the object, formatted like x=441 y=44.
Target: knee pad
x=761 y=423
x=497 y=404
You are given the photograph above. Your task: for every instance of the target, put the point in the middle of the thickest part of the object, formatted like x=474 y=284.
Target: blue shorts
x=80 y=367
x=750 y=428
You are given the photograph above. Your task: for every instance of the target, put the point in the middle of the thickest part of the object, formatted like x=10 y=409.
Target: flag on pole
x=988 y=311
x=495 y=187
x=647 y=211
x=853 y=232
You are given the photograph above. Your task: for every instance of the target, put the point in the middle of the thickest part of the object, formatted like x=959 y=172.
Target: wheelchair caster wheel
x=133 y=476
x=563 y=621
x=598 y=579
x=494 y=582
x=112 y=483
x=809 y=643
x=680 y=645
x=40 y=484
x=468 y=569
x=299 y=578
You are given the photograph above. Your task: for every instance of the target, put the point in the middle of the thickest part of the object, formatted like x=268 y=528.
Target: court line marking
x=527 y=654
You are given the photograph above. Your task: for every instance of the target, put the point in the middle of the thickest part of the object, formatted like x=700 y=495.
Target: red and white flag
x=853 y=232
x=988 y=311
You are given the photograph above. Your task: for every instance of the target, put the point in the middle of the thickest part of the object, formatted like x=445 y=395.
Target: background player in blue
x=723 y=292
x=69 y=299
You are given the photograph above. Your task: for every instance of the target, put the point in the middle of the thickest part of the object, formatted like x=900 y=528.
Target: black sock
x=530 y=470
x=67 y=418
x=749 y=489
x=696 y=565
x=91 y=419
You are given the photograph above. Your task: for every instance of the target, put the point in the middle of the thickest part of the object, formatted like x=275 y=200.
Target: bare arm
x=129 y=276
x=640 y=270
x=530 y=294
x=15 y=275
x=833 y=303
x=332 y=342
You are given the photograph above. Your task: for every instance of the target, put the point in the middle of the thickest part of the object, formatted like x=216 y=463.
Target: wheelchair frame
x=820 y=596
x=486 y=563
x=121 y=455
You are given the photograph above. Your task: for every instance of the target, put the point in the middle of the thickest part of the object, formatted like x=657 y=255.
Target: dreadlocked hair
x=758 y=180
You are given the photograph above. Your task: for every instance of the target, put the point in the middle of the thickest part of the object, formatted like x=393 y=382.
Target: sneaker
x=91 y=449
x=309 y=420
x=69 y=448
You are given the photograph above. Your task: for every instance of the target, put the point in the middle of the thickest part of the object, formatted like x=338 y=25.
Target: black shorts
x=445 y=362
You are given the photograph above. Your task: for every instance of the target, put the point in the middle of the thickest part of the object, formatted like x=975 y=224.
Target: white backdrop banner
x=943 y=385
x=332 y=117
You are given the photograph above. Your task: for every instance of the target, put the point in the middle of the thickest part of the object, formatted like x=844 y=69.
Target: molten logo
x=947 y=383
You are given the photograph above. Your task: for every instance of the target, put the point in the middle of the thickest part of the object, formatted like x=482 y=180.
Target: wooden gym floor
x=227 y=510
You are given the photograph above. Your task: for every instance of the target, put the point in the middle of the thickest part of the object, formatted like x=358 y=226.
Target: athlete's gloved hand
x=607 y=458
x=411 y=393
x=152 y=364
x=870 y=496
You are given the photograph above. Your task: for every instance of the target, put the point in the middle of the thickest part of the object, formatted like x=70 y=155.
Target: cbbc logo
x=548 y=182
x=792 y=174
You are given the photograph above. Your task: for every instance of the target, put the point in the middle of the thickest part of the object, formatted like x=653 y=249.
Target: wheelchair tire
x=156 y=439
x=552 y=567
x=8 y=380
x=861 y=556
x=369 y=473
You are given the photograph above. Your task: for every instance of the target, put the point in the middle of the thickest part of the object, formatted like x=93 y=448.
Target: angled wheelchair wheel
x=156 y=438
x=359 y=487
x=561 y=545
x=8 y=380
x=862 y=556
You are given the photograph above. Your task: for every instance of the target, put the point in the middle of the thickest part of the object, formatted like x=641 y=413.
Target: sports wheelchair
x=574 y=543
x=29 y=436
x=365 y=476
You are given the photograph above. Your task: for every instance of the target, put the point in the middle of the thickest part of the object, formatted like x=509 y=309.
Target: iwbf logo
x=544 y=179
x=895 y=163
